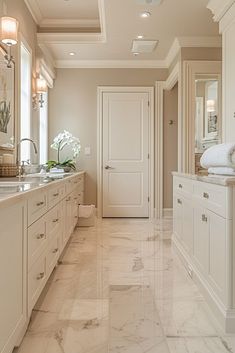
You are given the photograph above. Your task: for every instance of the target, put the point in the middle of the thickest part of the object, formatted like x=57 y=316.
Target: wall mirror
x=202 y=111
x=7 y=97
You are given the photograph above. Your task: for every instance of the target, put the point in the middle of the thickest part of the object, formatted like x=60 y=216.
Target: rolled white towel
x=85 y=211
x=222 y=155
x=221 y=171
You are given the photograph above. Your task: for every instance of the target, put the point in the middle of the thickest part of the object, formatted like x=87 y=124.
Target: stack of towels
x=219 y=159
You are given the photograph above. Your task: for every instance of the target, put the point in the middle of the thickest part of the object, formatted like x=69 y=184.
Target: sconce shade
x=9 y=30
x=210 y=105
x=41 y=86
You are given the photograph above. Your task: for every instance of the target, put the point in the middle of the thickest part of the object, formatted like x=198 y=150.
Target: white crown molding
x=191 y=42
x=219 y=8
x=69 y=38
x=34 y=10
x=172 y=78
x=110 y=64
x=69 y=23
x=173 y=52
x=47 y=54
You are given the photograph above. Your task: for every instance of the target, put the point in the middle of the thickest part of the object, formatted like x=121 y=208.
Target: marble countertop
x=223 y=180
x=29 y=183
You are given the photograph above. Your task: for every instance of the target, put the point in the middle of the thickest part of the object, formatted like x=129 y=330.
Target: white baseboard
x=168 y=212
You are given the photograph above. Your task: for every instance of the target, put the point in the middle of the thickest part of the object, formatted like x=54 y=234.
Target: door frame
x=118 y=89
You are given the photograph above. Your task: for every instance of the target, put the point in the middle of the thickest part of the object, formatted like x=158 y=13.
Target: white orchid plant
x=62 y=140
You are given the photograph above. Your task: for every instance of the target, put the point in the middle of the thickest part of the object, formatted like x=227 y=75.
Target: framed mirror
x=7 y=106
x=201 y=111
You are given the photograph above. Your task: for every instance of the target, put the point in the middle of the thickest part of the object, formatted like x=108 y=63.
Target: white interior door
x=126 y=154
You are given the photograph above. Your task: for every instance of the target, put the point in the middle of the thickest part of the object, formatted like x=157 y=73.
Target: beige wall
x=201 y=54
x=73 y=106
x=170 y=143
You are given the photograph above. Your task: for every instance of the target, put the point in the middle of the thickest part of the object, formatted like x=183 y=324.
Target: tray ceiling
x=103 y=30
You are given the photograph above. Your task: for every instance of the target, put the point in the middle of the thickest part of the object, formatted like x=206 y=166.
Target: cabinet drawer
x=37 y=206
x=54 y=221
x=183 y=185
x=37 y=240
x=79 y=183
x=80 y=198
x=52 y=254
x=212 y=196
x=54 y=196
x=36 y=281
x=69 y=186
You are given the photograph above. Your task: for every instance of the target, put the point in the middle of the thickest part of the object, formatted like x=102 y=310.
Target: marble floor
x=120 y=288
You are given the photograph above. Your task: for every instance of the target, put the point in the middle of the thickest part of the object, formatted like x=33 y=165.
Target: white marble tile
x=185 y=318
x=130 y=345
x=84 y=309
x=197 y=345
x=120 y=288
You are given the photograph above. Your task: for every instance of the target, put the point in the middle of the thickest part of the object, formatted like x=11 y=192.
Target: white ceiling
x=71 y=9
x=120 y=23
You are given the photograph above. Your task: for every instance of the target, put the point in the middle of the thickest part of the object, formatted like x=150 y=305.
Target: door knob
x=108 y=167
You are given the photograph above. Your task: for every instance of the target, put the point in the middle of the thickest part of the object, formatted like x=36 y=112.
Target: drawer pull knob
x=40 y=236
x=75 y=216
x=56 y=194
x=56 y=220
x=204 y=218
x=55 y=251
x=180 y=186
x=206 y=195
x=40 y=276
x=40 y=203
x=179 y=201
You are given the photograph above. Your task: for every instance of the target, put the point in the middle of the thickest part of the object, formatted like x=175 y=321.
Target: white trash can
x=86 y=216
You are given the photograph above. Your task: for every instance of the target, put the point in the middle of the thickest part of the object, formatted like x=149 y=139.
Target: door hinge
x=148 y=155
x=148 y=103
x=148 y=199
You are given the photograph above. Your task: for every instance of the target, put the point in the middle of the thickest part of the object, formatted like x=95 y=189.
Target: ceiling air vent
x=144 y=46
x=150 y=2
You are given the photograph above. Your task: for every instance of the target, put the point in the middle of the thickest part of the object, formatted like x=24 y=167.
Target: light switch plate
x=87 y=151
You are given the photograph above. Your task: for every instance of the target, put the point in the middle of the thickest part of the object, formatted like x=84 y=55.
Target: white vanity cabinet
x=13 y=272
x=49 y=234
x=34 y=229
x=203 y=234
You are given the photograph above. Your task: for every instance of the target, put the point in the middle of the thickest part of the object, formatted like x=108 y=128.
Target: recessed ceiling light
x=72 y=53
x=140 y=36
x=136 y=53
x=145 y=14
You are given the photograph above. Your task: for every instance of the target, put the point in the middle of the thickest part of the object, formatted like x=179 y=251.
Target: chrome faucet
x=21 y=166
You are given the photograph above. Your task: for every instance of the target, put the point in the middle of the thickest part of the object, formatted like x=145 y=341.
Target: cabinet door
x=217 y=254
x=201 y=239
x=177 y=216
x=13 y=274
x=187 y=224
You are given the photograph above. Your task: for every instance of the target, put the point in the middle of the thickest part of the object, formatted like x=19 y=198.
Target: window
x=43 y=131
x=25 y=102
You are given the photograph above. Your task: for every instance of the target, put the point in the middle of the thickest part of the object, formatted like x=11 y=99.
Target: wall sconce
x=41 y=87
x=9 y=36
